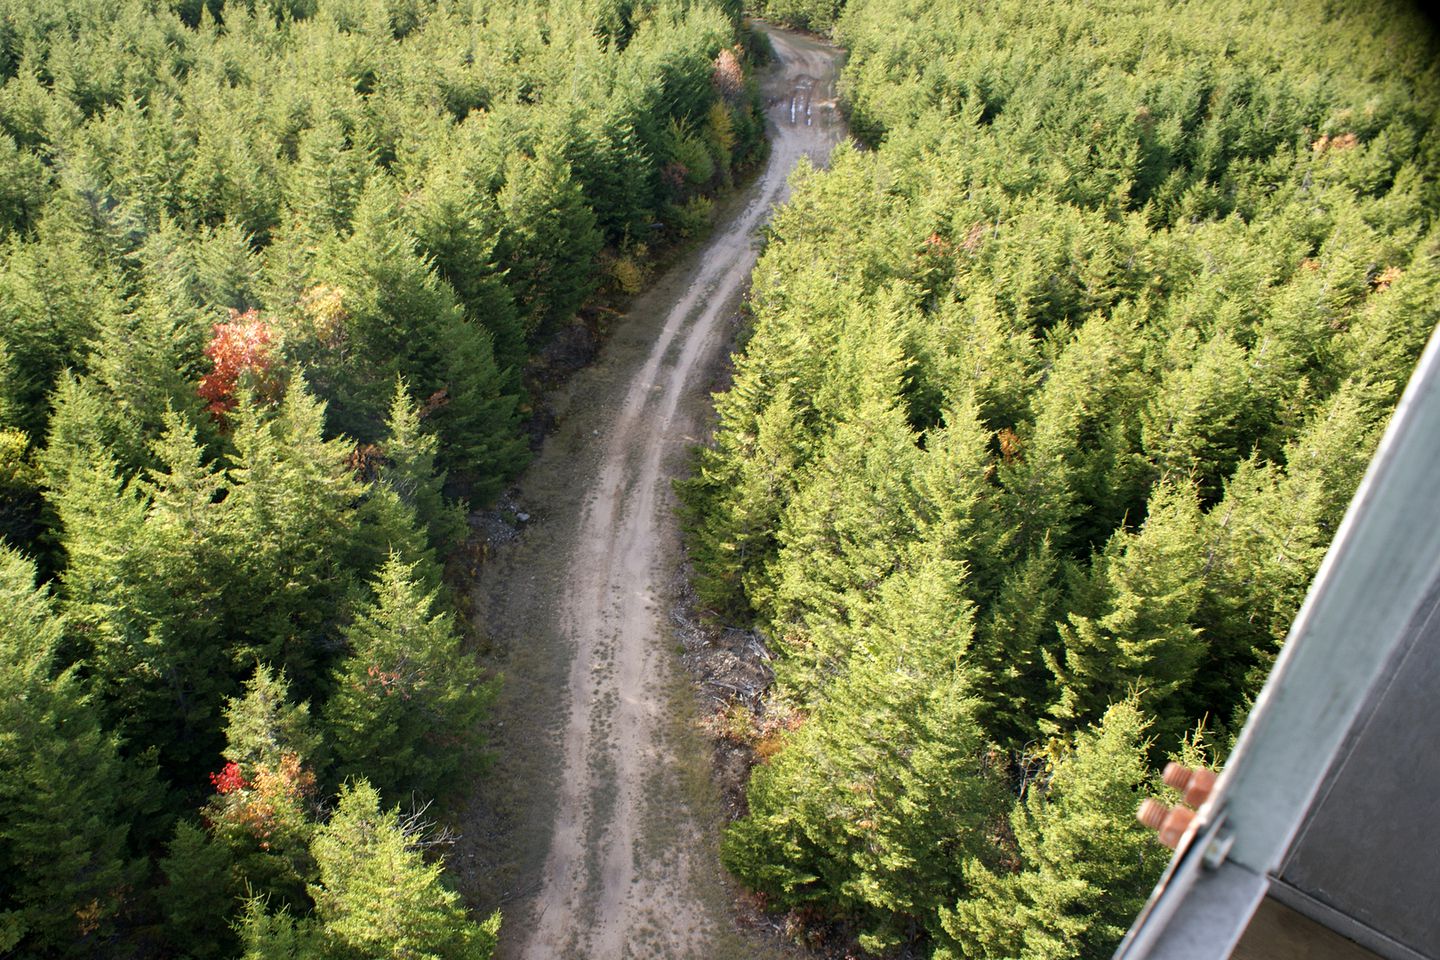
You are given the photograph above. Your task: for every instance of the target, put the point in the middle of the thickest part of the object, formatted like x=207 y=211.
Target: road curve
x=607 y=890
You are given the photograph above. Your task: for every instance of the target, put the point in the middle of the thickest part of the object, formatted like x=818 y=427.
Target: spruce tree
x=377 y=897
x=292 y=515
x=1074 y=476
x=324 y=186
x=851 y=519
x=1203 y=414
x=846 y=529
x=197 y=897
x=1085 y=864
x=1011 y=683
x=549 y=243
x=145 y=581
x=53 y=300
x=735 y=499
x=263 y=726
x=458 y=225
x=871 y=806
x=67 y=876
x=85 y=425
x=957 y=502
x=21 y=501
x=409 y=470
x=1267 y=537
x=1133 y=631
x=400 y=320
x=265 y=794
x=279 y=936
x=407 y=697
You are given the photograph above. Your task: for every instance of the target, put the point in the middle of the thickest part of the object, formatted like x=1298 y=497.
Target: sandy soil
x=595 y=831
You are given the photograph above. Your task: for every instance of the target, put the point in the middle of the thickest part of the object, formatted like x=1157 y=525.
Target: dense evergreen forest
x=1051 y=404
x=270 y=277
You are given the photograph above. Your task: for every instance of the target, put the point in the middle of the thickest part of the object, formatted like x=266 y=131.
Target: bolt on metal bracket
x=1217 y=849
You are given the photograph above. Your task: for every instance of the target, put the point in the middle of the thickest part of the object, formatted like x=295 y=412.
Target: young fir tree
x=66 y=875
x=265 y=794
x=457 y=225
x=12 y=390
x=408 y=468
x=872 y=805
x=263 y=726
x=1086 y=864
x=198 y=895
x=53 y=301
x=22 y=503
x=734 y=501
x=1133 y=630
x=1072 y=477
x=400 y=320
x=549 y=243
x=1011 y=684
x=846 y=529
x=1203 y=414
x=957 y=503
x=293 y=515
x=377 y=897
x=851 y=520
x=145 y=586
x=279 y=936
x=324 y=185
x=1266 y=538
x=82 y=424
x=407 y=697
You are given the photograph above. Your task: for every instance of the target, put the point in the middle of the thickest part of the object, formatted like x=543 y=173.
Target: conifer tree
x=958 y=505
x=291 y=512
x=550 y=240
x=852 y=517
x=1078 y=452
x=84 y=426
x=1011 y=684
x=734 y=501
x=231 y=174
x=278 y=936
x=12 y=390
x=1134 y=629
x=458 y=225
x=21 y=502
x=265 y=794
x=147 y=566
x=324 y=186
x=874 y=802
x=197 y=896
x=263 y=726
x=66 y=873
x=401 y=320
x=1202 y=415
x=409 y=469
x=845 y=530
x=377 y=897
x=1268 y=535
x=53 y=300
x=407 y=698
x=1085 y=864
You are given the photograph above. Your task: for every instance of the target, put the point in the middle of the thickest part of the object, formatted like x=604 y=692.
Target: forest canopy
x=1051 y=402
x=271 y=276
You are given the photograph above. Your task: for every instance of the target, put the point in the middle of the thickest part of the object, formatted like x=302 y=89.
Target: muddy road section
x=595 y=831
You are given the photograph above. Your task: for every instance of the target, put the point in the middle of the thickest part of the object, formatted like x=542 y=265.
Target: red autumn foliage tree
x=229 y=779
x=241 y=346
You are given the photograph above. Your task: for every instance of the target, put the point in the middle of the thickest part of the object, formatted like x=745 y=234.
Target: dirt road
x=599 y=763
